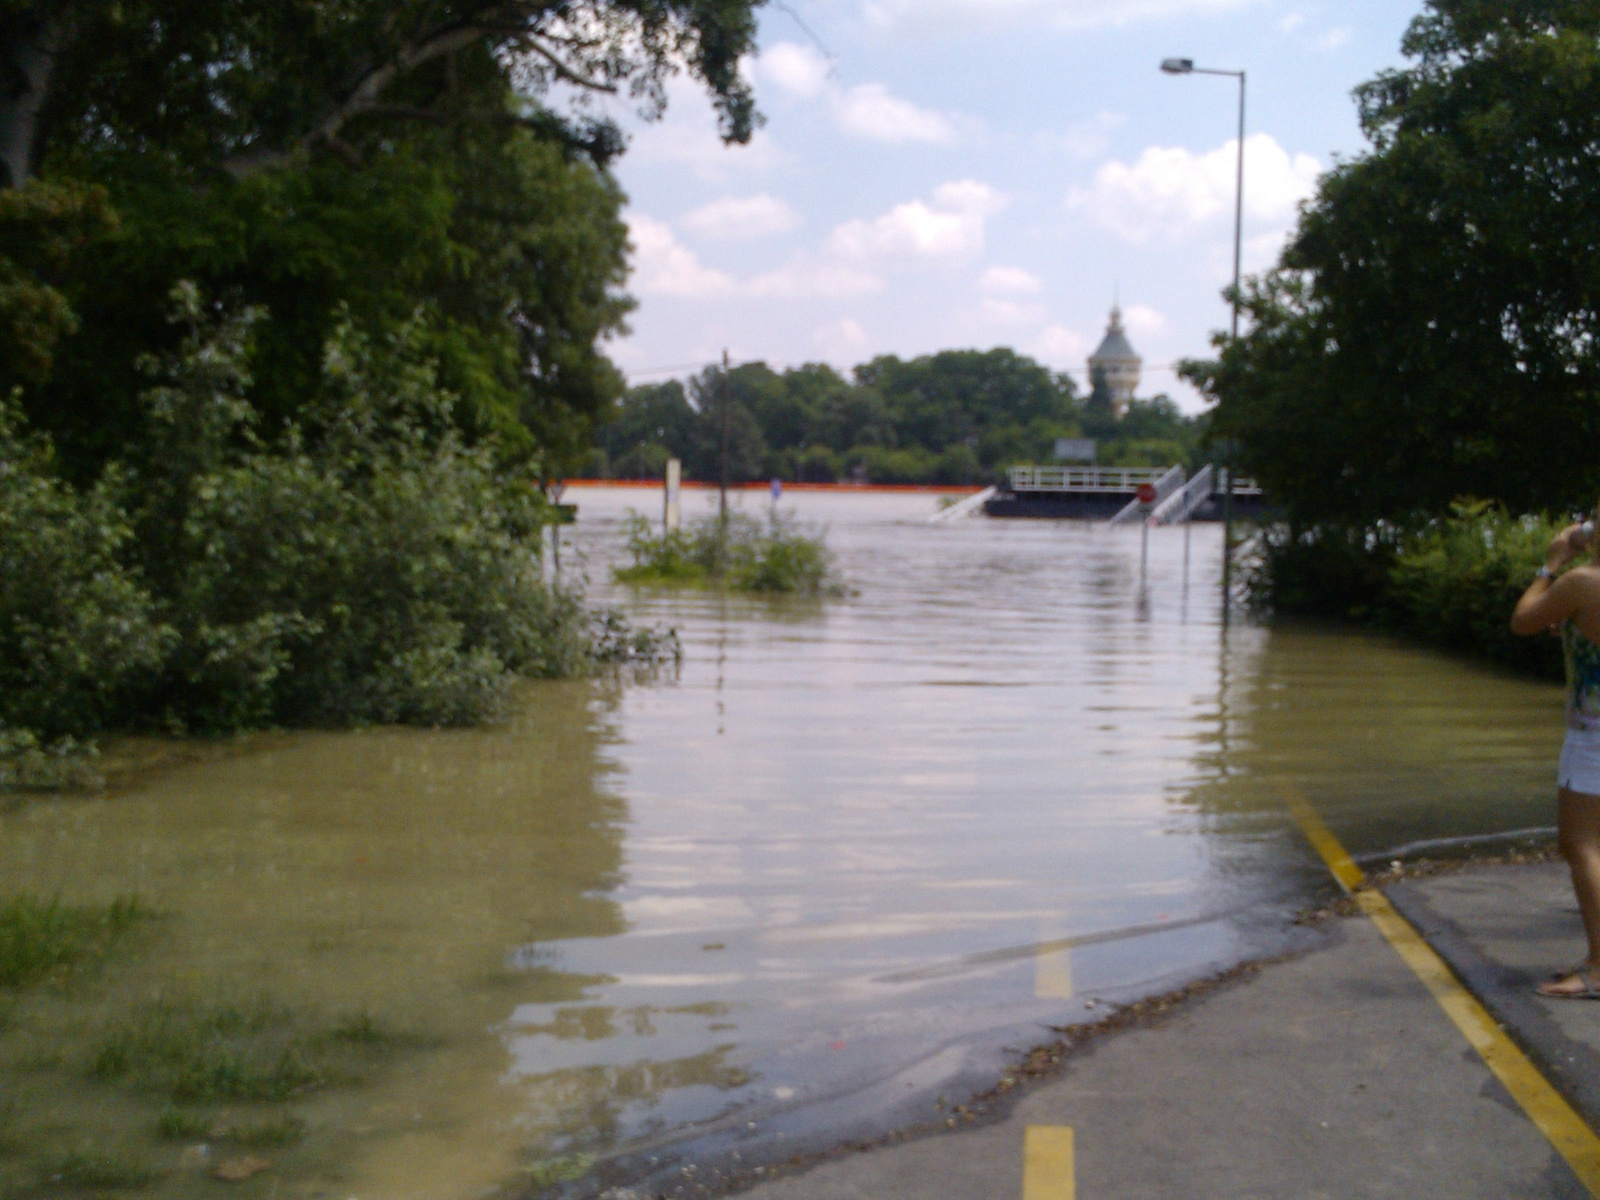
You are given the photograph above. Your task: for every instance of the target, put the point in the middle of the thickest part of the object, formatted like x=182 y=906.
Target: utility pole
x=723 y=500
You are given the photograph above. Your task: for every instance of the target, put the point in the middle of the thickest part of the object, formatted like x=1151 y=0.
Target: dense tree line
x=959 y=416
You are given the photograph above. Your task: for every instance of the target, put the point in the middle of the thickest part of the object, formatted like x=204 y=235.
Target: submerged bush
x=374 y=569
x=370 y=567
x=739 y=553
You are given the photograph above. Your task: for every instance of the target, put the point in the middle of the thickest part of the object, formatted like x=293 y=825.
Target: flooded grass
x=186 y=1051
x=272 y=1132
x=40 y=938
x=95 y=1086
x=96 y=1170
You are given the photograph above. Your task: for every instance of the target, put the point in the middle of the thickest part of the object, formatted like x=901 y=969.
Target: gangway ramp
x=1180 y=505
x=965 y=508
x=1165 y=486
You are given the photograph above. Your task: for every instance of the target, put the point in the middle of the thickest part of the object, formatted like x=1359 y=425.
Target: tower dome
x=1115 y=364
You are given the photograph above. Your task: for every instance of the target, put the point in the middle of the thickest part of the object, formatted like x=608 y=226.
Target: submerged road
x=1406 y=1057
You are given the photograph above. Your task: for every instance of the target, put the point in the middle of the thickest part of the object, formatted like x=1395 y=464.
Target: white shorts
x=1579 y=769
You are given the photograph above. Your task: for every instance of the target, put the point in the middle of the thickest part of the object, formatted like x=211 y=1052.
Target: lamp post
x=1185 y=66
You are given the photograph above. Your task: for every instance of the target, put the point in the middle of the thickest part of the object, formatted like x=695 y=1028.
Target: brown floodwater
x=820 y=882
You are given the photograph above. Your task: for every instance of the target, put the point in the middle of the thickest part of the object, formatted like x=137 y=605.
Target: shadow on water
x=1392 y=745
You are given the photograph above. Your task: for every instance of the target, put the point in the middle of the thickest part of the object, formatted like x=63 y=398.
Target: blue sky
x=977 y=173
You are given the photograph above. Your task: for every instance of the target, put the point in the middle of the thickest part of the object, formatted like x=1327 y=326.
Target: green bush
x=372 y=566
x=741 y=554
x=1455 y=582
x=1450 y=583
x=375 y=569
x=75 y=621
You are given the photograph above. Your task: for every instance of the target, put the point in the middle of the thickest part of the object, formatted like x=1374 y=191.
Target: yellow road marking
x=1052 y=969
x=1545 y=1107
x=1047 y=1171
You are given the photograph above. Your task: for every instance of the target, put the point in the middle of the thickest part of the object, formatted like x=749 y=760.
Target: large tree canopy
x=370 y=159
x=1430 y=331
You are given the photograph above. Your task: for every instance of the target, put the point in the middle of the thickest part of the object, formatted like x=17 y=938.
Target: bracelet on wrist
x=1544 y=573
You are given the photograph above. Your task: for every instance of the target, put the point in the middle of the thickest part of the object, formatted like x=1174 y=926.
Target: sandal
x=1551 y=988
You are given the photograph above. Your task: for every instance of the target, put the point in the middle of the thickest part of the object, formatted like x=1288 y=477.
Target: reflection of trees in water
x=582 y=1108
x=1388 y=742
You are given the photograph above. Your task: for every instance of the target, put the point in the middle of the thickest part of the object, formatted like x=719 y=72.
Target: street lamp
x=1185 y=66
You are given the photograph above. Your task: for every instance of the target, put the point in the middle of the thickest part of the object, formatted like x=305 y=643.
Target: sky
x=949 y=174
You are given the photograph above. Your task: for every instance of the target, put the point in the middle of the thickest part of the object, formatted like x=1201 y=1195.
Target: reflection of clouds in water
x=655 y=914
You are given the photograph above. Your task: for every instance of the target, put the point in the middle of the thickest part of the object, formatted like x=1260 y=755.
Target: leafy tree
x=386 y=159
x=1430 y=332
x=959 y=396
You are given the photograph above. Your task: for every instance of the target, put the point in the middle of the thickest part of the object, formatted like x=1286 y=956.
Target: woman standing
x=1571 y=601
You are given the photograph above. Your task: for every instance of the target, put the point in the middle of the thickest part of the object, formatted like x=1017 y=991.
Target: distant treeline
x=960 y=416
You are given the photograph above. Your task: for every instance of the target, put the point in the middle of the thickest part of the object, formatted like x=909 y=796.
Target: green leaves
x=1431 y=330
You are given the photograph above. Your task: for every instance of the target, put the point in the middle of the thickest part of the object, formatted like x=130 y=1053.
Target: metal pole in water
x=722 y=510
x=1144 y=550
x=1227 y=542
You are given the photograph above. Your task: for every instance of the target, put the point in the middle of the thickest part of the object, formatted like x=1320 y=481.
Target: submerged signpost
x=671 y=510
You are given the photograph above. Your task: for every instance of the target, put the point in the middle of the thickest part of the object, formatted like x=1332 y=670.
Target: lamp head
x=1177 y=66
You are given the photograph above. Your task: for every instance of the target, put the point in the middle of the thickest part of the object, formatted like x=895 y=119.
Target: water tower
x=1116 y=364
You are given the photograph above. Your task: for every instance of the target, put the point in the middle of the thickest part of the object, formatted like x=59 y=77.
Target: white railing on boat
x=1111 y=479
x=1082 y=479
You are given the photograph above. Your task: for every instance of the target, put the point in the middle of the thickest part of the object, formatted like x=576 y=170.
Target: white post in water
x=671 y=512
x=1144 y=550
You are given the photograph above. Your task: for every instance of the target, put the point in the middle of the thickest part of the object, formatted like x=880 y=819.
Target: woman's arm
x=1548 y=600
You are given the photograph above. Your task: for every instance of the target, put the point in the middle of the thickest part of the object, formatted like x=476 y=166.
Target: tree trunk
x=29 y=41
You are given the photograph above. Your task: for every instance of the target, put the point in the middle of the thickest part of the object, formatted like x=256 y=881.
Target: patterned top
x=1583 y=678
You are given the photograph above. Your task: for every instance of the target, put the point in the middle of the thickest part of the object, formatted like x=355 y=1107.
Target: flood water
x=821 y=881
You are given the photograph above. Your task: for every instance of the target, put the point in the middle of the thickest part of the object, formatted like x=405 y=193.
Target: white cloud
x=950 y=227
x=1060 y=346
x=1172 y=191
x=1066 y=14
x=793 y=68
x=1010 y=280
x=1086 y=138
x=1009 y=312
x=735 y=218
x=1141 y=318
x=688 y=135
x=1333 y=38
x=869 y=111
x=662 y=266
x=803 y=278
x=841 y=340
x=1291 y=22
